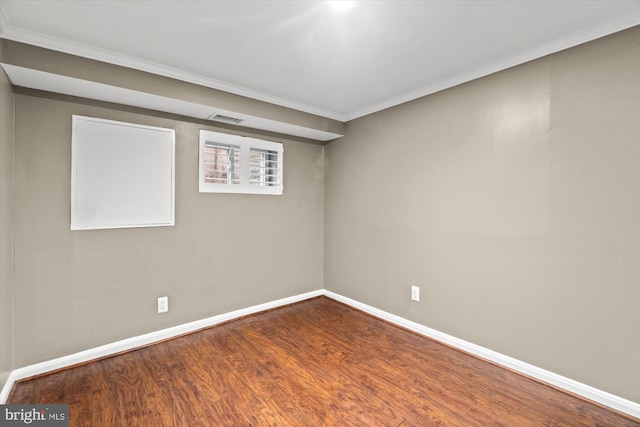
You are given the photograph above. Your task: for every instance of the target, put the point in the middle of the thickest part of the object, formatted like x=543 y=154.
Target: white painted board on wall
x=123 y=175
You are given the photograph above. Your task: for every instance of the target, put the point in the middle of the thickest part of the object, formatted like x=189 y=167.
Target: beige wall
x=6 y=226
x=514 y=203
x=77 y=290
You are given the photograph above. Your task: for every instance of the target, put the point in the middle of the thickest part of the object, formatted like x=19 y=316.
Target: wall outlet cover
x=415 y=293
x=163 y=304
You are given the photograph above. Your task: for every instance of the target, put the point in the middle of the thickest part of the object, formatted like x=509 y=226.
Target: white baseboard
x=6 y=389
x=586 y=391
x=591 y=393
x=139 y=341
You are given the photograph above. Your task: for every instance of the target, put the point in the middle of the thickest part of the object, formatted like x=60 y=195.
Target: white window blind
x=236 y=164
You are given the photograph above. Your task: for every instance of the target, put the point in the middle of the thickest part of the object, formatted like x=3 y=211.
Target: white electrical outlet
x=415 y=293
x=163 y=304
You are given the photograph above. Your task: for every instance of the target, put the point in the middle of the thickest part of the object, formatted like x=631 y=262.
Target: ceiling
x=339 y=60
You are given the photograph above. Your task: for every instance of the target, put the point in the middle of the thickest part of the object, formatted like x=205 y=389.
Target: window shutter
x=265 y=168
x=237 y=164
x=221 y=163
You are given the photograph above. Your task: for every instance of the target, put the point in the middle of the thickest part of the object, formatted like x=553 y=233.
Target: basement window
x=237 y=164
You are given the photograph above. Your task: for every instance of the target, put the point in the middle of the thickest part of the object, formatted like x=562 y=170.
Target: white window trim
x=246 y=144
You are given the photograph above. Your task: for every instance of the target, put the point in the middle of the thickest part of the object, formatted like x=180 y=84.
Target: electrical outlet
x=415 y=293
x=163 y=304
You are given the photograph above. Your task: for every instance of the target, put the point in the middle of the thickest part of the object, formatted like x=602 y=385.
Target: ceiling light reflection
x=341 y=6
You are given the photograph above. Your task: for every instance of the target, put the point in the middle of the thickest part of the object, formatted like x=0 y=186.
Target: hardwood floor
x=314 y=363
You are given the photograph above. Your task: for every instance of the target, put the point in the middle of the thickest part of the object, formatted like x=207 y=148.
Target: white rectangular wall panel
x=123 y=175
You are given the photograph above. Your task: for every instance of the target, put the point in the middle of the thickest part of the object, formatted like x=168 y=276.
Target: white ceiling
x=308 y=55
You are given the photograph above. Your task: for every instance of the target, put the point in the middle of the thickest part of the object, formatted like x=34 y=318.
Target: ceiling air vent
x=226 y=119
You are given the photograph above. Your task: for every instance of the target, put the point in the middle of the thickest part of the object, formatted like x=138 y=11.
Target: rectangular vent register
x=227 y=119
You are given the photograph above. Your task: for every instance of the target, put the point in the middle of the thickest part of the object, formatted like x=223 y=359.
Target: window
x=221 y=163
x=237 y=164
x=264 y=168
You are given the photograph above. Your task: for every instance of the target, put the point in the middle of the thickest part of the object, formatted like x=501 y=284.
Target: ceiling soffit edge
x=76 y=49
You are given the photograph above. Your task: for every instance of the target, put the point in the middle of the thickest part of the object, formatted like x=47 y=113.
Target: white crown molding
x=540 y=51
x=126 y=61
x=109 y=57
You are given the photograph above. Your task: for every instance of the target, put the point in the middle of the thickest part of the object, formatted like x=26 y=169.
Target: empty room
x=320 y=213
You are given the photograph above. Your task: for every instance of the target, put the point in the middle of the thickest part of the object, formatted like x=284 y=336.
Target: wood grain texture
x=313 y=363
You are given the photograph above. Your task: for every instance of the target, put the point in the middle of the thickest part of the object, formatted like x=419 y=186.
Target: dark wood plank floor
x=314 y=363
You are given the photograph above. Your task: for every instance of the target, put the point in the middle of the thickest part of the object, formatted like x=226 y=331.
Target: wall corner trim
x=602 y=397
